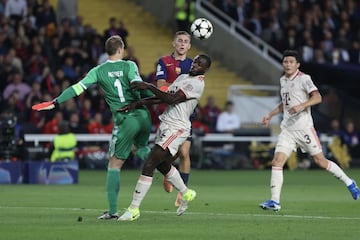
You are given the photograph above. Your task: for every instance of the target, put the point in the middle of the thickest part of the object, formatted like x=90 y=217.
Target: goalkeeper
x=130 y=128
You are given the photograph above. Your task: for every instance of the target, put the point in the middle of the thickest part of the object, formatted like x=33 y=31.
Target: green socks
x=113 y=188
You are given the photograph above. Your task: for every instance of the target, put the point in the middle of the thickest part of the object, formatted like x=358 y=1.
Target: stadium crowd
x=41 y=54
x=322 y=30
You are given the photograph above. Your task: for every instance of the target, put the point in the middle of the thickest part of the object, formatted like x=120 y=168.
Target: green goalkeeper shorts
x=134 y=129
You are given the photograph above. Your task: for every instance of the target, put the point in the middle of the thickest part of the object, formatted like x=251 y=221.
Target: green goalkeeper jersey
x=114 y=78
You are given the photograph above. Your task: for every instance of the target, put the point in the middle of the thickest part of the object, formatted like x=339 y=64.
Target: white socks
x=338 y=173
x=276 y=182
x=173 y=176
x=142 y=187
x=277 y=179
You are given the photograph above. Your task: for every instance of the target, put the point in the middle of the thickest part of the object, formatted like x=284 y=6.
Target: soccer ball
x=201 y=28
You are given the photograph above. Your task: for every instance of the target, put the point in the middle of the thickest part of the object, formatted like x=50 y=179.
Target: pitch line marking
x=275 y=215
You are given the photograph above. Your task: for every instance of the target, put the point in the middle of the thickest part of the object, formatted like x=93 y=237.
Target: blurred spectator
x=340 y=55
x=66 y=9
x=69 y=69
x=130 y=55
x=64 y=144
x=254 y=24
x=350 y=135
x=20 y=45
x=46 y=15
x=96 y=49
x=109 y=126
x=5 y=42
x=272 y=34
x=17 y=84
x=51 y=49
x=238 y=11
x=319 y=56
x=36 y=64
x=354 y=52
x=12 y=59
x=35 y=119
x=228 y=121
x=210 y=113
x=307 y=51
x=198 y=125
x=96 y=124
x=123 y=32
x=290 y=41
x=335 y=128
x=35 y=93
x=16 y=10
x=307 y=26
x=68 y=107
x=114 y=29
x=52 y=126
x=48 y=81
x=76 y=126
x=14 y=104
x=86 y=111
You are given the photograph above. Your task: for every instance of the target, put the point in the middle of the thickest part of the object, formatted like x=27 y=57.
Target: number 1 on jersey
x=117 y=84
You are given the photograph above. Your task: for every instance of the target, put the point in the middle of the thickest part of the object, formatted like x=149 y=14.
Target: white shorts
x=168 y=136
x=307 y=140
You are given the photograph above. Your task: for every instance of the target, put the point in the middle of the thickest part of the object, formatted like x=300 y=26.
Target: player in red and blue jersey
x=169 y=67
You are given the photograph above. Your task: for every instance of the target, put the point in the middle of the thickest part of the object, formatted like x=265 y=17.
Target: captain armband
x=78 y=88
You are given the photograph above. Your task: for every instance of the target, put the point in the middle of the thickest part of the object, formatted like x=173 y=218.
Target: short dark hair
x=291 y=53
x=112 y=44
x=206 y=58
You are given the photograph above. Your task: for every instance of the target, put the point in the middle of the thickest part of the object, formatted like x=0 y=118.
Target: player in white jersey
x=182 y=97
x=298 y=94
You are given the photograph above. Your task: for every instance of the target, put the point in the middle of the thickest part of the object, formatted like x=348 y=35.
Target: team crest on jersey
x=188 y=87
x=178 y=70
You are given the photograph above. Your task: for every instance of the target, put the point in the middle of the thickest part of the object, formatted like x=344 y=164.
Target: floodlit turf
x=315 y=205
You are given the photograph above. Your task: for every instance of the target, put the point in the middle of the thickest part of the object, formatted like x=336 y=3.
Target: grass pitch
x=315 y=205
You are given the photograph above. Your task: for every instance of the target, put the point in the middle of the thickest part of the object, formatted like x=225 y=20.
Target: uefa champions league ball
x=201 y=28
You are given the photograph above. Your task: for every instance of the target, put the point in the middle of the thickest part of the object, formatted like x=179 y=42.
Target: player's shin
x=142 y=187
x=276 y=183
x=113 y=188
x=173 y=176
x=338 y=173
